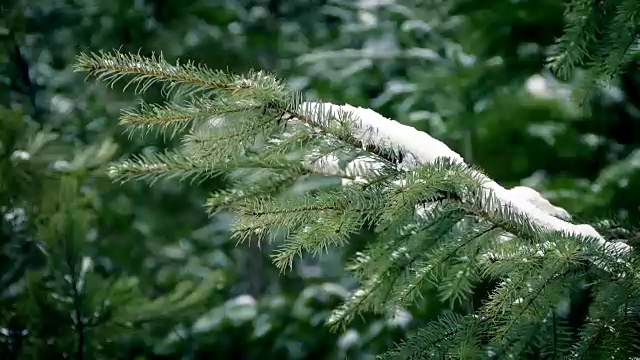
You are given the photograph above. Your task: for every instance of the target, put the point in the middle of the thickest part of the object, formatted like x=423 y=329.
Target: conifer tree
x=442 y=225
x=58 y=298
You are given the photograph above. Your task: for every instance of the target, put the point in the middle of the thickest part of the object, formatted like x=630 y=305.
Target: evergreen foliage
x=438 y=229
x=157 y=235
x=49 y=269
x=470 y=73
x=601 y=37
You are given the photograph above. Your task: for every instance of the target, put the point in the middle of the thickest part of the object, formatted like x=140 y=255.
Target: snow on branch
x=373 y=129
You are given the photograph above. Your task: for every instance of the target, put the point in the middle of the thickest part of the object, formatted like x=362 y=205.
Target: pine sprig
x=183 y=79
x=572 y=48
x=433 y=341
x=178 y=117
x=154 y=167
x=599 y=36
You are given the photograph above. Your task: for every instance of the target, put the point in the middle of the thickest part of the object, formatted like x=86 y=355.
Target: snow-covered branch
x=373 y=129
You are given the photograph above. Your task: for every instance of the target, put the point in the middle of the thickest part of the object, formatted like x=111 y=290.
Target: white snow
x=419 y=147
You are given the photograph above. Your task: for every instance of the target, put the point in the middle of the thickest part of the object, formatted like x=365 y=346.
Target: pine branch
x=572 y=48
x=420 y=148
x=441 y=224
x=177 y=116
x=390 y=144
x=155 y=167
x=437 y=337
x=599 y=36
x=181 y=78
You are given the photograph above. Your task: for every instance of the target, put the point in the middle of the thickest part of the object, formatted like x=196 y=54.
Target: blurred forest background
x=91 y=269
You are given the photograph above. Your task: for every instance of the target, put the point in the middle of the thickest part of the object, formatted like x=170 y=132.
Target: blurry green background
x=90 y=269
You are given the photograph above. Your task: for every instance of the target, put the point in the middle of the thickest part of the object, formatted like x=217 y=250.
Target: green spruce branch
x=600 y=37
x=440 y=225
